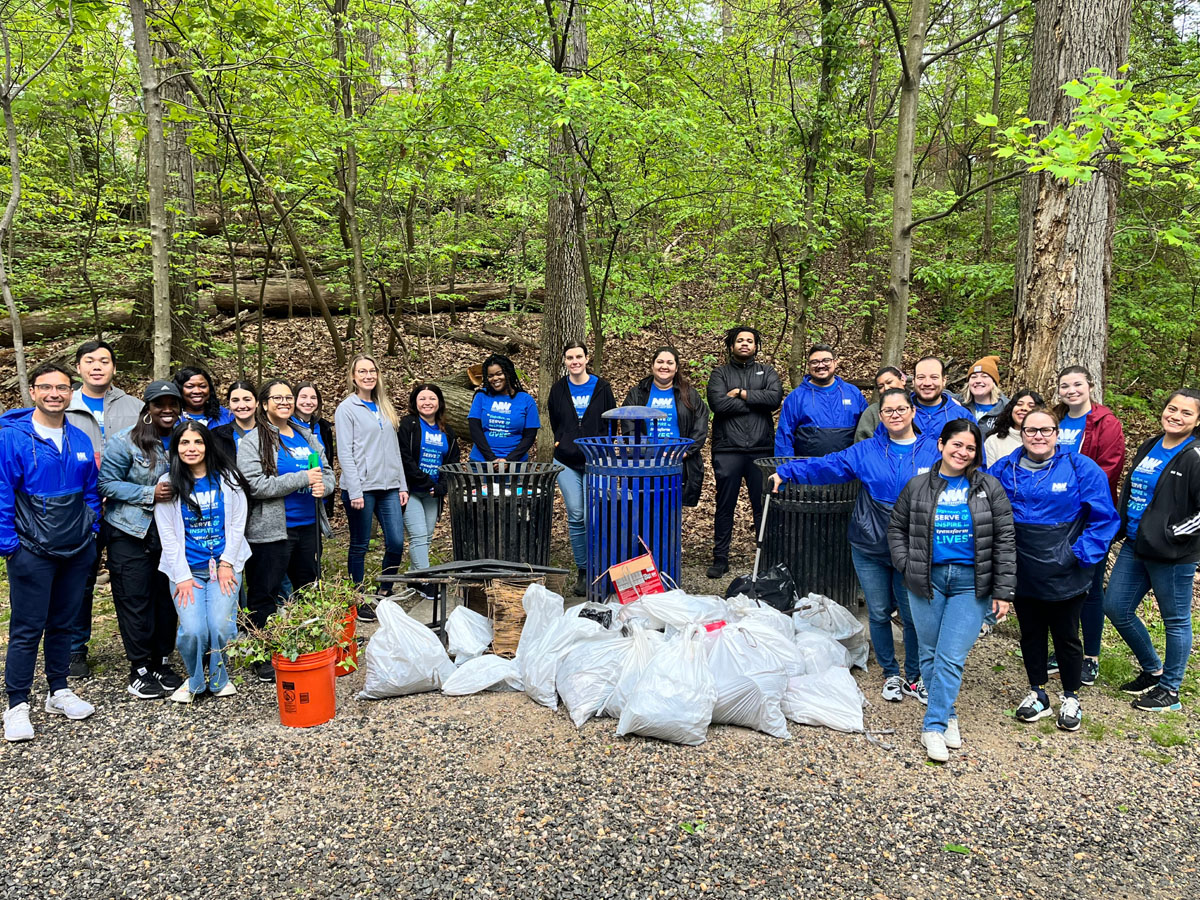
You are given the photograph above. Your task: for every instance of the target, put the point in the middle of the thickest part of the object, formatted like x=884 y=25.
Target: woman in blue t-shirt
x=1160 y=517
x=203 y=551
x=951 y=536
x=503 y=418
x=426 y=444
x=200 y=402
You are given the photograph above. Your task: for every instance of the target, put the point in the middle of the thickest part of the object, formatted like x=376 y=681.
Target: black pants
x=731 y=469
x=294 y=558
x=142 y=597
x=81 y=632
x=1059 y=619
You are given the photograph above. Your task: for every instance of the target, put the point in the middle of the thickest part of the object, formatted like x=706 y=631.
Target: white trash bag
x=675 y=608
x=483 y=673
x=749 y=678
x=831 y=698
x=540 y=663
x=588 y=674
x=468 y=634
x=644 y=645
x=818 y=613
x=674 y=698
x=542 y=607
x=819 y=652
x=403 y=657
x=744 y=609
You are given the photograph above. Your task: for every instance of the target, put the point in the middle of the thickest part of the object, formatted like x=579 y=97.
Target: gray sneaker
x=16 y=723
x=892 y=686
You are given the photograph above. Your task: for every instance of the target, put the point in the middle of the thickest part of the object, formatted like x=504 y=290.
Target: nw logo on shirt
x=501 y=406
x=81 y=456
x=921 y=470
x=1068 y=435
x=206 y=499
x=1148 y=466
x=845 y=401
x=298 y=452
x=434 y=439
x=954 y=496
x=662 y=403
x=1058 y=487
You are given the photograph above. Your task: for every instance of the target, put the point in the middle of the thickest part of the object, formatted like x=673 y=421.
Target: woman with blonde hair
x=373 y=483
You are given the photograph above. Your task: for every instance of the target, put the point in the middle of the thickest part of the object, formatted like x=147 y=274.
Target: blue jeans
x=1131 y=578
x=947 y=627
x=570 y=483
x=384 y=506
x=206 y=626
x=1091 y=617
x=420 y=518
x=884 y=589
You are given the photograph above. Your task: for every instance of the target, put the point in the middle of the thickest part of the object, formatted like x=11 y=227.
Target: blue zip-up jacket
x=816 y=421
x=931 y=420
x=883 y=472
x=1065 y=521
x=48 y=499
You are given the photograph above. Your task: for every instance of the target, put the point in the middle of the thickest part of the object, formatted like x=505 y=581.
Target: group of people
x=966 y=505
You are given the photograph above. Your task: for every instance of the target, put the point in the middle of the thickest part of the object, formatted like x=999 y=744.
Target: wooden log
x=44 y=325
x=508 y=335
x=458 y=393
x=471 y=296
x=424 y=329
x=246 y=317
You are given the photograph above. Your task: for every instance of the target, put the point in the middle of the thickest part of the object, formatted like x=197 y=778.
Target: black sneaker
x=1158 y=699
x=1091 y=670
x=144 y=685
x=581 y=583
x=1052 y=664
x=265 y=672
x=79 y=666
x=718 y=568
x=1144 y=682
x=366 y=613
x=167 y=676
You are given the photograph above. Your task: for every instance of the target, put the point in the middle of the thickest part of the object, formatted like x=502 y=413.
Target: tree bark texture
x=1064 y=254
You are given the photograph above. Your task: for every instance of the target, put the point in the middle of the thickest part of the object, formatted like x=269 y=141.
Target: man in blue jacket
x=934 y=404
x=49 y=517
x=820 y=415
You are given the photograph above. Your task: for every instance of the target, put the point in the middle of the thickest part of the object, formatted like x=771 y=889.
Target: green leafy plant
x=313 y=619
x=957 y=848
x=696 y=826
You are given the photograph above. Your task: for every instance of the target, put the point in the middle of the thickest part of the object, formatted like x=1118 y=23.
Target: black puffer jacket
x=693 y=423
x=910 y=534
x=744 y=426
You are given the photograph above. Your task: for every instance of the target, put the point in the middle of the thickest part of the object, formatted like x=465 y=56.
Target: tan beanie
x=989 y=365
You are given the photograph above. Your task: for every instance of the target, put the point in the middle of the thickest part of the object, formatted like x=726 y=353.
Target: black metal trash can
x=501 y=514
x=806 y=531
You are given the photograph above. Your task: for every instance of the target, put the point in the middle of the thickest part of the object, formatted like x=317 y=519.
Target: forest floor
x=493 y=796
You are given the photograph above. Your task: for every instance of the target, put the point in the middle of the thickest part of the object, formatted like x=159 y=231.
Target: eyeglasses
x=816 y=363
x=895 y=412
x=53 y=388
x=366 y=371
x=282 y=399
x=1044 y=431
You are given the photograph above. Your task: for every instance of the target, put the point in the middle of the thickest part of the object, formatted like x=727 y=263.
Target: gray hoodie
x=121 y=411
x=368 y=450
x=268 y=514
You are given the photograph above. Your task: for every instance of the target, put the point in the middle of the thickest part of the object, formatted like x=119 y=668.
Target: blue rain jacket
x=931 y=420
x=48 y=499
x=1065 y=522
x=815 y=421
x=883 y=472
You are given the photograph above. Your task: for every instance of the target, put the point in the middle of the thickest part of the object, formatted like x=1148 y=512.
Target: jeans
x=884 y=589
x=1091 y=617
x=570 y=484
x=294 y=558
x=206 y=626
x=385 y=506
x=44 y=596
x=1131 y=578
x=731 y=469
x=420 y=518
x=947 y=626
x=142 y=598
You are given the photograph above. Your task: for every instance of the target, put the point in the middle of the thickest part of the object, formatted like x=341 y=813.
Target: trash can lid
x=633 y=413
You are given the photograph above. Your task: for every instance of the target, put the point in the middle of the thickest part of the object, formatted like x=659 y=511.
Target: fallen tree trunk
x=48 y=324
x=508 y=335
x=458 y=393
x=246 y=317
x=472 y=296
x=424 y=329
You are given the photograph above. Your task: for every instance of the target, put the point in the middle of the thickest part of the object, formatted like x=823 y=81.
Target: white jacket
x=169 y=519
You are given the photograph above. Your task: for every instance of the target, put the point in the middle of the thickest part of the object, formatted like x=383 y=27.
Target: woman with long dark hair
x=427 y=443
x=288 y=474
x=199 y=395
x=241 y=398
x=204 y=550
x=951 y=536
x=1006 y=429
x=1160 y=518
x=134 y=460
x=575 y=406
x=503 y=418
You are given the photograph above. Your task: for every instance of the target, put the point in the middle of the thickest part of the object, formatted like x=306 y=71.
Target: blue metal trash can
x=633 y=493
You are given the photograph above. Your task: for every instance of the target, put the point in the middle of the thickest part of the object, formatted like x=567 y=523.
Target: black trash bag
x=775 y=587
x=597 y=613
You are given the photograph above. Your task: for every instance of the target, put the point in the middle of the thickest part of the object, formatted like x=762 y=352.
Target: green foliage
x=312 y=620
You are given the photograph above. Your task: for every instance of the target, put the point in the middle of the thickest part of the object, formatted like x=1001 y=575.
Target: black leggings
x=1059 y=619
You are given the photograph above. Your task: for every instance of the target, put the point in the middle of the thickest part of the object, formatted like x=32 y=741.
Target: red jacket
x=1104 y=444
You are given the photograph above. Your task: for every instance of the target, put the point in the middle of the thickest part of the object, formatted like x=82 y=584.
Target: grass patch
x=1163 y=759
x=1170 y=732
x=1047 y=726
x=1095 y=728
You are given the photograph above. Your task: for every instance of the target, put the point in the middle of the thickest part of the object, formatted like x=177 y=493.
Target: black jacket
x=1170 y=526
x=910 y=534
x=409 y=435
x=567 y=426
x=693 y=423
x=744 y=426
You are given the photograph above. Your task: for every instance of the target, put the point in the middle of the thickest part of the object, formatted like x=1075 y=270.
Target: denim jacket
x=127 y=479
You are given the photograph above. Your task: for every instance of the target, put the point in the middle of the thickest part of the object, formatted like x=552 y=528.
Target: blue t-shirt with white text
x=1144 y=479
x=434 y=445
x=204 y=534
x=95 y=406
x=293 y=457
x=504 y=419
x=1070 y=432
x=953 y=536
x=663 y=399
x=581 y=394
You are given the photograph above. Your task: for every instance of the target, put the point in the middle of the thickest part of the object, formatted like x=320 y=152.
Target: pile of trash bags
x=664 y=666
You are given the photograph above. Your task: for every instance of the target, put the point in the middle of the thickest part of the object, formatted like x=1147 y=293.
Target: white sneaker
x=891 y=688
x=935 y=745
x=952 y=737
x=228 y=691
x=63 y=702
x=16 y=723
x=182 y=694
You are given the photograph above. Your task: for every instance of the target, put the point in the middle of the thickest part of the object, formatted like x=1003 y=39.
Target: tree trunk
x=900 y=268
x=565 y=309
x=10 y=212
x=989 y=198
x=156 y=177
x=1064 y=254
x=870 y=228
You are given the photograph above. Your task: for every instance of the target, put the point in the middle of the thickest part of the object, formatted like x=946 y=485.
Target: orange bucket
x=305 y=688
x=349 y=637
